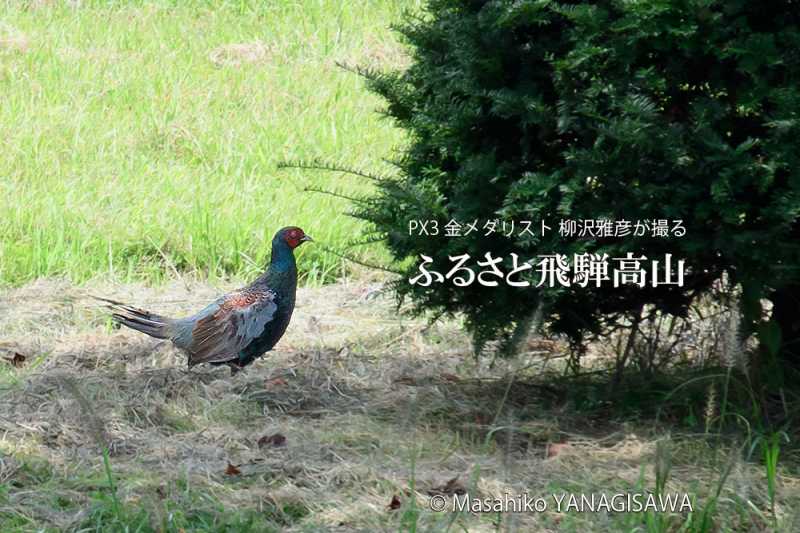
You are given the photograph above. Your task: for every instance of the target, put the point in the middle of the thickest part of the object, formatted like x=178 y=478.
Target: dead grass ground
x=353 y=423
x=236 y=54
x=12 y=40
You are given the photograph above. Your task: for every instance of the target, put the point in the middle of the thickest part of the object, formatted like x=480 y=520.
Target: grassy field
x=138 y=138
x=356 y=422
x=138 y=151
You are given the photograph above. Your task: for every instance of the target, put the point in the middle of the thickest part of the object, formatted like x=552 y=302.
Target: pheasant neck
x=282 y=269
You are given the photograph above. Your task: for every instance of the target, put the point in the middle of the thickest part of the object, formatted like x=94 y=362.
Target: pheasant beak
x=306 y=238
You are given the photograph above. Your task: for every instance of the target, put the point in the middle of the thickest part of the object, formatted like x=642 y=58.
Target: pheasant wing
x=239 y=318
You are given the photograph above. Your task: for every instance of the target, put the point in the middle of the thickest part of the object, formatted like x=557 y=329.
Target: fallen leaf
x=18 y=360
x=482 y=419
x=406 y=380
x=275 y=382
x=556 y=448
x=395 y=503
x=542 y=344
x=453 y=486
x=232 y=470
x=449 y=377
x=275 y=441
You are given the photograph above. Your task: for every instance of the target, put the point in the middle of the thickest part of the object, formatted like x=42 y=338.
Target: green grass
x=128 y=151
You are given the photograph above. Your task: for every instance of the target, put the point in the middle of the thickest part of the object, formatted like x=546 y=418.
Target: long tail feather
x=152 y=324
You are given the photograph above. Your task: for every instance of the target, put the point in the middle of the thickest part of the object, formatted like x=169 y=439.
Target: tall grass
x=134 y=143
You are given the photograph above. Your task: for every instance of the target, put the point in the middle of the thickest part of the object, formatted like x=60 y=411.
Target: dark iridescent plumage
x=238 y=327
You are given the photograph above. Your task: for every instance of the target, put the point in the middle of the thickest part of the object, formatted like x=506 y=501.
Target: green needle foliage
x=624 y=110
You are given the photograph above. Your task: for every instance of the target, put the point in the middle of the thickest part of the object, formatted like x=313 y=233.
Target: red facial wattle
x=295 y=238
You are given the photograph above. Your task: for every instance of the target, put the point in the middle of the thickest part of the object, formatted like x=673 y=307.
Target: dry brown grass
x=370 y=405
x=12 y=40
x=237 y=54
